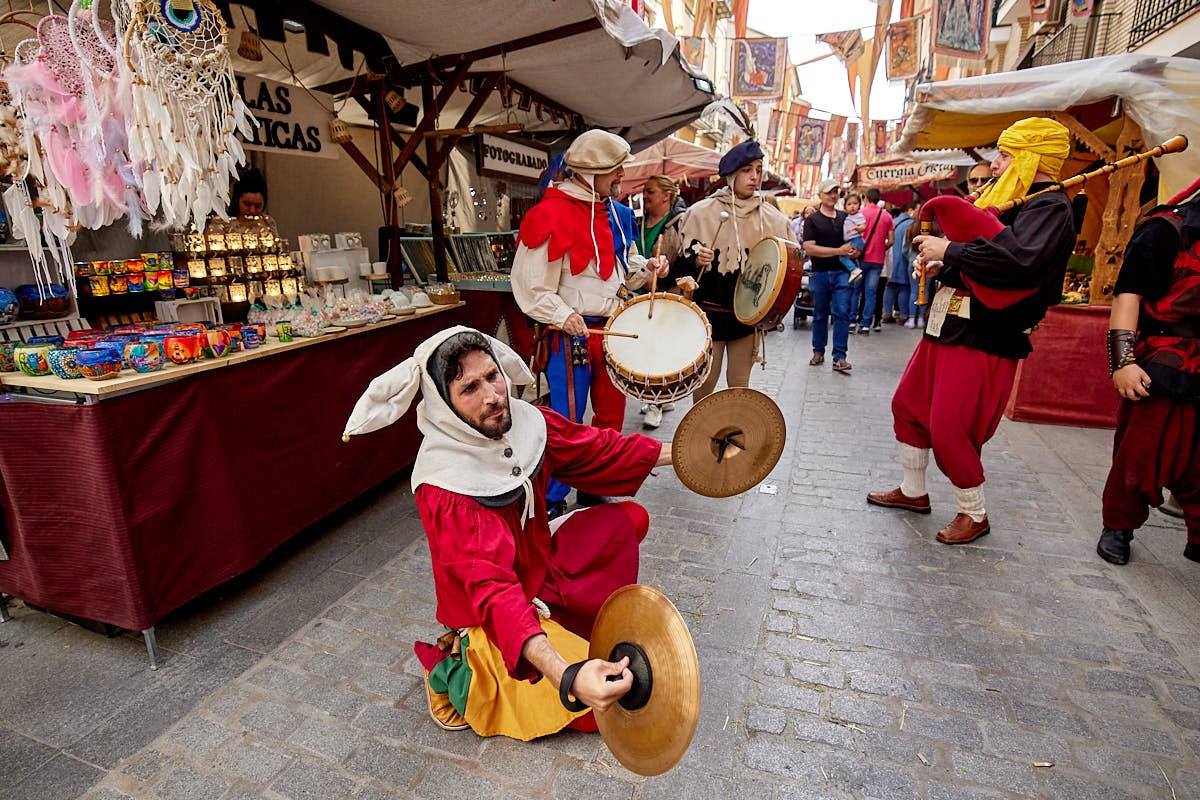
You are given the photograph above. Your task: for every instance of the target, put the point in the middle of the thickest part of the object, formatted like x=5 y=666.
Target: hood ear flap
x=512 y=364
x=386 y=400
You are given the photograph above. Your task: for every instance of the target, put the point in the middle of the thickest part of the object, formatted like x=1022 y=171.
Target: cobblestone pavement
x=844 y=652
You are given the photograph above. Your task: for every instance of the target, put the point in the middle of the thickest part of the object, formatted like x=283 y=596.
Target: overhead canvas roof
x=1162 y=95
x=594 y=57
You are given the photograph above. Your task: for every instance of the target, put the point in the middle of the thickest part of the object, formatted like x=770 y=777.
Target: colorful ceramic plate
x=334 y=329
x=352 y=322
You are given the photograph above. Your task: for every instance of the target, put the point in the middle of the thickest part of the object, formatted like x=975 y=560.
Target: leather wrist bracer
x=1120 y=350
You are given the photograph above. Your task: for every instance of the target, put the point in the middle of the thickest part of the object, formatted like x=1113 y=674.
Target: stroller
x=803 y=307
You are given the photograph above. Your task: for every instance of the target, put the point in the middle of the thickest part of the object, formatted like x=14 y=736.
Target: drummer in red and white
x=569 y=273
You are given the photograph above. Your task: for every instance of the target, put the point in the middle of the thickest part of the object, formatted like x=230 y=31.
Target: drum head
x=667 y=343
x=760 y=281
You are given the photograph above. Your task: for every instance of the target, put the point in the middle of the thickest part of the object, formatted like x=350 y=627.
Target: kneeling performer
x=517 y=599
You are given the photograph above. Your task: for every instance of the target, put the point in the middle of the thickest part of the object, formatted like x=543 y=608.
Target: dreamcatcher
x=186 y=108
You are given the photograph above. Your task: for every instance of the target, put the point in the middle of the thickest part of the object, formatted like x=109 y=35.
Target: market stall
x=125 y=497
x=1114 y=107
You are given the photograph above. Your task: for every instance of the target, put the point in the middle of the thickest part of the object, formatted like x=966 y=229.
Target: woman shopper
x=659 y=236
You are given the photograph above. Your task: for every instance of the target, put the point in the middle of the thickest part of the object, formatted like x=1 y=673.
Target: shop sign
x=510 y=157
x=290 y=119
x=903 y=173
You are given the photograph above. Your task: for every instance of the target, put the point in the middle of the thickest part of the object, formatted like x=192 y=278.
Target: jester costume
x=994 y=291
x=1157 y=442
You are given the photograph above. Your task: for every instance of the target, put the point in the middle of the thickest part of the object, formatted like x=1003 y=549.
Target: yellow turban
x=1037 y=144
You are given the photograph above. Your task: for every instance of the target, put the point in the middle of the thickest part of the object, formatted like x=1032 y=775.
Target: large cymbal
x=728 y=442
x=650 y=728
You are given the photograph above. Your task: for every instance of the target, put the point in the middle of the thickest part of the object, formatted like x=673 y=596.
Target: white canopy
x=616 y=72
x=672 y=157
x=1162 y=95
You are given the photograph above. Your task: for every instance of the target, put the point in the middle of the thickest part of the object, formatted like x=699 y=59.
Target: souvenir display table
x=149 y=489
x=1065 y=380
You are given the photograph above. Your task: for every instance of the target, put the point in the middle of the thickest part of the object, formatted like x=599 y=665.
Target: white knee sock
x=914 y=460
x=970 y=502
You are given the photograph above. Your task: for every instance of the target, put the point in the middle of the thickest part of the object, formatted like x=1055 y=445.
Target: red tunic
x=486 y=570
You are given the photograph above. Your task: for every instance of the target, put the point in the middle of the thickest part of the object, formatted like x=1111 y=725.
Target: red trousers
x=950 y=400
x=1157 y=444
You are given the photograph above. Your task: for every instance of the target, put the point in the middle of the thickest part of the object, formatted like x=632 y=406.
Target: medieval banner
x=961 y=28
x=758 y=69
x=773 y=127
x=847 y=44
x=692 y=50
x=1081 y=10
x=810 y=140
x=904 y=173
x=1039 y=10
x=902 y=49
x=879 y=138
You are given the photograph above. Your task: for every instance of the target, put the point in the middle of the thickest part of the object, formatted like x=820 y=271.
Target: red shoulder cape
x=564 y=220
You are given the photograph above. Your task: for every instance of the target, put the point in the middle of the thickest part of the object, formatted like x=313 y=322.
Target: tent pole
x=432 y=108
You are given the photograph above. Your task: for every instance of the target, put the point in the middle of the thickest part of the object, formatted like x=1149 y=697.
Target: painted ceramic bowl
x=47 y=302
x=99 y=363
x=217 y=344
x=85 y=333
x=9 y=306
x=31 y=358
x=144 y=356
x=63 y=364
x=53 y=341
x=182 y=348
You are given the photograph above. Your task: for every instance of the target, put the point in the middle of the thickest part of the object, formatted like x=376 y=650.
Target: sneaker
x=886 y=318
x=864 y=330
x=854 y=327
x=877 y=327
x=644 y=409
x=653 y=417
x=667 y=406
x=855 y=276
x=911 y=324
x=841 y=365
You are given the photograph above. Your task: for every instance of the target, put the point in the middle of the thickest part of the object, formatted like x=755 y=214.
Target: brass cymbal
x=650 y=728
x=728 y=442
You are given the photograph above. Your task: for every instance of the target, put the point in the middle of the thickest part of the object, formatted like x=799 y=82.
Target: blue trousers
x=902 y=297
x=868 y=288
x=831 y=295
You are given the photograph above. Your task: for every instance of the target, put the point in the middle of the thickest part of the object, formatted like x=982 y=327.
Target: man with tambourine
x=994 y=290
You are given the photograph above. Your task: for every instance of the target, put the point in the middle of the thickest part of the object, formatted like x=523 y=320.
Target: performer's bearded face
x=480 y=395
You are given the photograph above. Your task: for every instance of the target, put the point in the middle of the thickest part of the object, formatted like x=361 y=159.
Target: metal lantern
x=394 y=100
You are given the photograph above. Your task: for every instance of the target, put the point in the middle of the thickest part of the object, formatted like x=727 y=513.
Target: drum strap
x=567 y=354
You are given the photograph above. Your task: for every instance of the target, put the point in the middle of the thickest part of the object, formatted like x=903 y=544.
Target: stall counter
x=124 y=509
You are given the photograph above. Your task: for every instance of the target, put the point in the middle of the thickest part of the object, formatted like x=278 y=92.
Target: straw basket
x=446 y=299
x=250 y=46
x=339 y=131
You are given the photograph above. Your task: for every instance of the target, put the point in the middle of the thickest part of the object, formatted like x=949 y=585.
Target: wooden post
x=430 y=109
x=391 y=210
x=1121 y=211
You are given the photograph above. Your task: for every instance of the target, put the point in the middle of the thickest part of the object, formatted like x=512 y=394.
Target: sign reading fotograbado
x=510 y=157
x=903 y=174
x=290 y=120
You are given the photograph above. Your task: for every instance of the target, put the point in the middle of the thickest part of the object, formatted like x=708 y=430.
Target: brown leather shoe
x=442 y=711
x=962 y=529
x=898 y=499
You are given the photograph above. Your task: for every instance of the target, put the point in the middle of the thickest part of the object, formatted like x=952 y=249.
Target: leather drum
x=769 y=283
x=671 y=355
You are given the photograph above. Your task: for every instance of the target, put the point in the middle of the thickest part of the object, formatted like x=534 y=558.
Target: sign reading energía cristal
x=290 y=119
x=903 y=173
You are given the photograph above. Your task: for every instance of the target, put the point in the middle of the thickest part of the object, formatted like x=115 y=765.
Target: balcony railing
x=1151 y=17
x=1076 y=42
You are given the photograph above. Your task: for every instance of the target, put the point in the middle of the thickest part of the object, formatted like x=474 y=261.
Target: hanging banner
x=837 y=124
x=1039 y=11
x=852 y=137
x=848 y=45
x=902 y=49
x=1081 y=11
x=879 y=135
x=692 y=50
x=773 y=128
x=837 y=158
x=810 y=140
x=905 y=173
x=509 y=157
x=290 y=120
x=758 y=69
x=961 y=28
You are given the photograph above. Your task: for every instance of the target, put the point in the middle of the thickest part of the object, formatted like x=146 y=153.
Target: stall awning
x=596 y=58
x=1162 y=95
x=673 y=157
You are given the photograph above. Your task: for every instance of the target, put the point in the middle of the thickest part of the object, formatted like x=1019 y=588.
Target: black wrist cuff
x=1120 y=350
x=564 y=687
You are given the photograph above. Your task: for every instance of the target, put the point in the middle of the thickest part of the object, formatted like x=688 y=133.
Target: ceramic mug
x=250 y=338
x=284 y=331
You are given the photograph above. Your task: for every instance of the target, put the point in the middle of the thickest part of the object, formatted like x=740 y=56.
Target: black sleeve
x=1024 y=253
x=1149 y=260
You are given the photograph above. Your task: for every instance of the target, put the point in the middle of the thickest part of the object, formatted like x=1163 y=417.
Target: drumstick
x=654 y=276
x=601 y=332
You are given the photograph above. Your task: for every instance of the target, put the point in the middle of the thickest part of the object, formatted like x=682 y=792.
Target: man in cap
x=568 y=274
x=957 y=383
x=517 y=599
x=718 y=233
x=825 y=243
